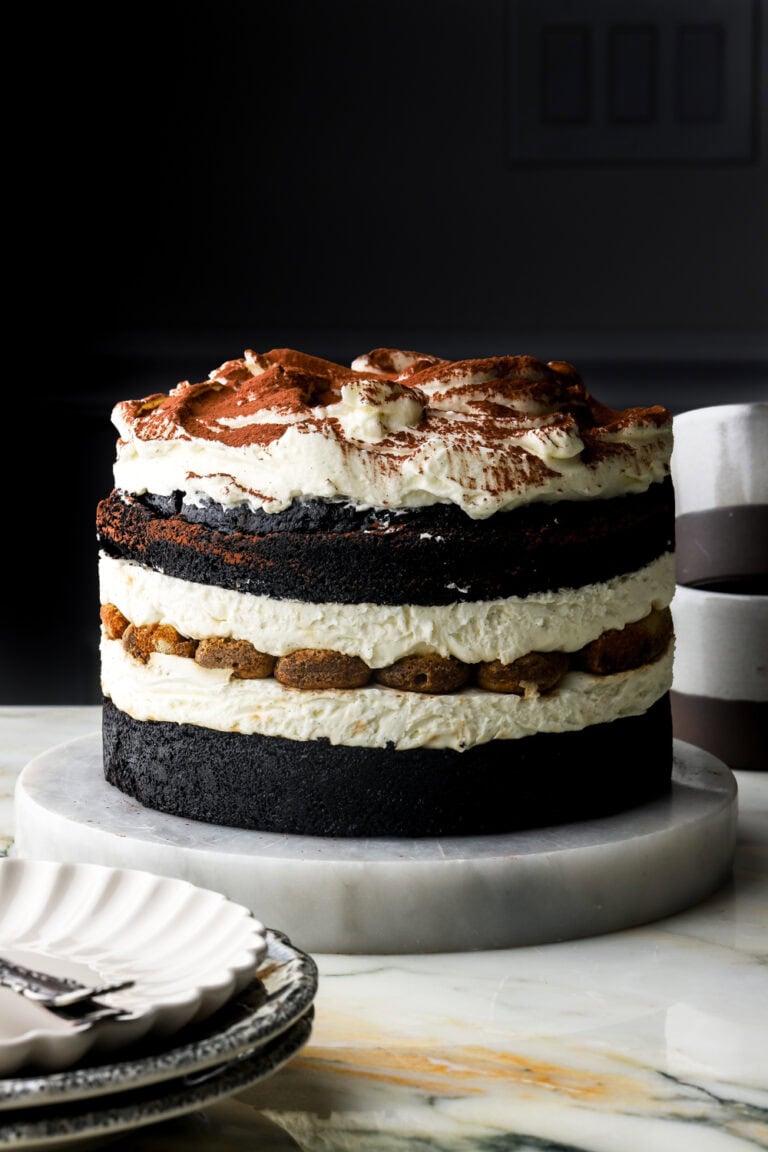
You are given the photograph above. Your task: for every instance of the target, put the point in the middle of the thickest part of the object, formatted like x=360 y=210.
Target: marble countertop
x=647 y=1040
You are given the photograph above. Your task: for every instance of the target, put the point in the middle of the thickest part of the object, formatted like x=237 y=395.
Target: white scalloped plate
x=187 y=949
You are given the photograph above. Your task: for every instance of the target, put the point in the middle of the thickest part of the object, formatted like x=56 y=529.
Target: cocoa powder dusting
x=469 y=405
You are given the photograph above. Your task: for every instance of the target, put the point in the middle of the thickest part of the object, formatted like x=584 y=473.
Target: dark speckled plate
x=87 y=1121
x=282 y=993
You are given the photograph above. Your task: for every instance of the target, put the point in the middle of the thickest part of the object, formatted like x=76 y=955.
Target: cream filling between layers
x=380 y=634
x=177 y=690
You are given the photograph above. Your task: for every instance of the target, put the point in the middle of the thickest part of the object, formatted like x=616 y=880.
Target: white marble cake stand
x=399 y=896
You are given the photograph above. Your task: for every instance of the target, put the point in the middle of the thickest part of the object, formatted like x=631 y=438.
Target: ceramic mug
x=720 y=607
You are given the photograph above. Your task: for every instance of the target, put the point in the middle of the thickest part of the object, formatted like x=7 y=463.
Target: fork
x=67 y=998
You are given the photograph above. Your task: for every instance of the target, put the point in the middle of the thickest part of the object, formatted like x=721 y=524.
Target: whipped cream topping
x=176 y=689
x=396 y=429
x=370 y=410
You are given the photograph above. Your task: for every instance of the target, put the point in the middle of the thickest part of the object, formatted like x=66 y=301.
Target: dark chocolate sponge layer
x=435 y=555
x=320 y=789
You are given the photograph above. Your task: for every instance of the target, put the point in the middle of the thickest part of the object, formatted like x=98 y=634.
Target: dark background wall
x=582 y=180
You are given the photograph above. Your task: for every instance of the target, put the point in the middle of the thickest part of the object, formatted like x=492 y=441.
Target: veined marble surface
x=647 y=1040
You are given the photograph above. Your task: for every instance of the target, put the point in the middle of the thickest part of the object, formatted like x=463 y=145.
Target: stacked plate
x=212 y=1001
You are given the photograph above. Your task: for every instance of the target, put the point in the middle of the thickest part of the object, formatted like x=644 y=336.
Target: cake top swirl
x=396 y=429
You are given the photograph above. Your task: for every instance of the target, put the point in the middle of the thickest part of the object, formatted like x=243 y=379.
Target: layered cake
x=408 y=597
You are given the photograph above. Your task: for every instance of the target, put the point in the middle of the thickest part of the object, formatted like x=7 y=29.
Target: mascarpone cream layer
x=486 y=435
x=305 y=463
x=382 y=633
x=176 y=689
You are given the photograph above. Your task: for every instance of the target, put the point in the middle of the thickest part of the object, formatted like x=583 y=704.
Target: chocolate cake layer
x=320 y=789
x=433 y=555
